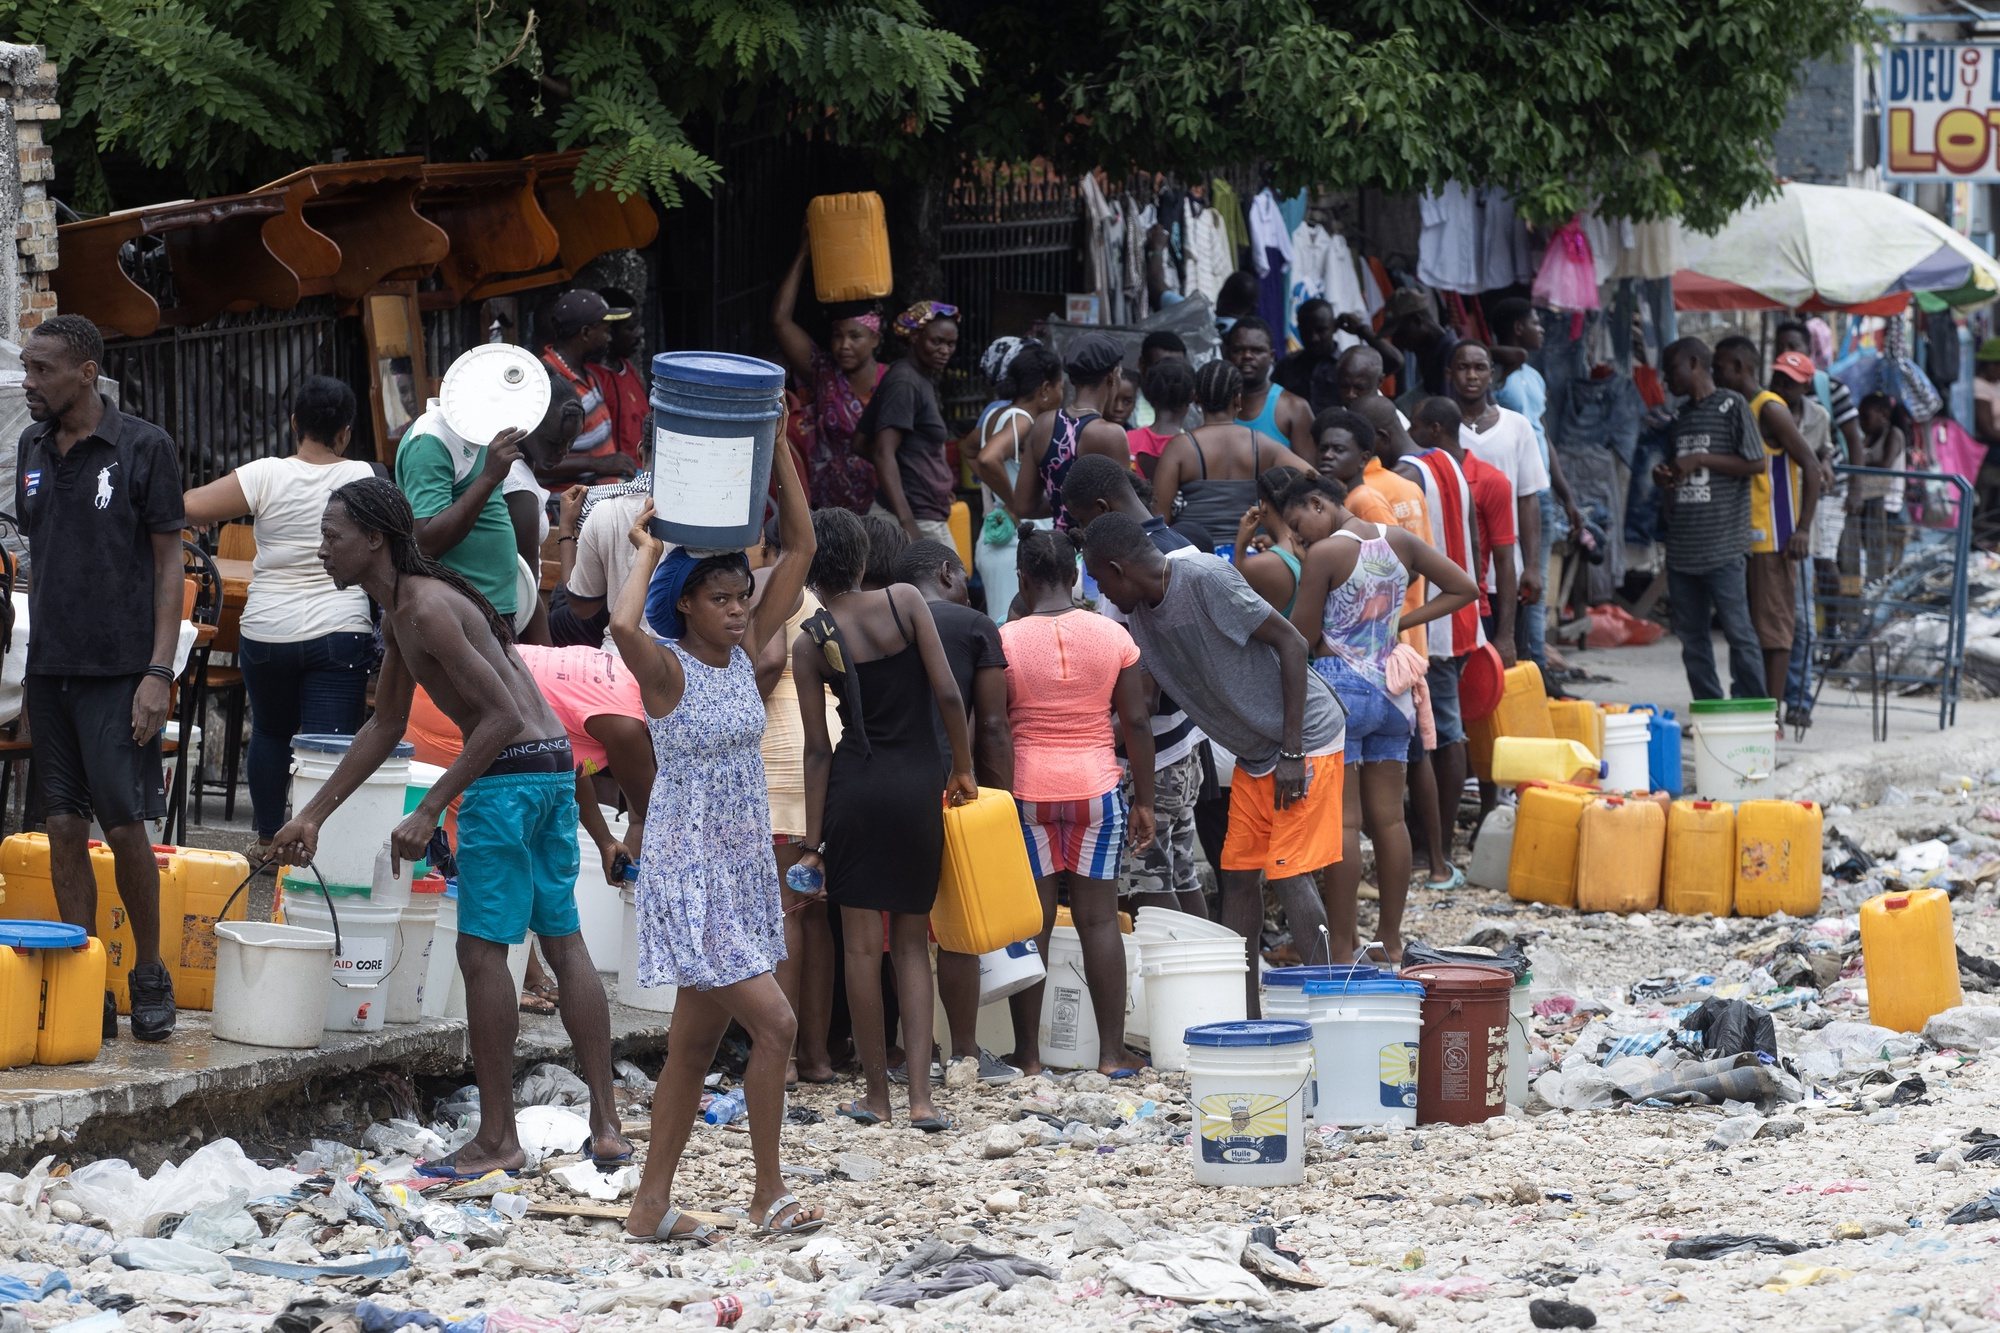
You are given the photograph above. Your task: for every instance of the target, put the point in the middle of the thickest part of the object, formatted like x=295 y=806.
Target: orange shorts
x=1302 y=838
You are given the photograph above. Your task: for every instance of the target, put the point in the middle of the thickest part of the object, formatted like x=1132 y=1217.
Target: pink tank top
x=581 y=683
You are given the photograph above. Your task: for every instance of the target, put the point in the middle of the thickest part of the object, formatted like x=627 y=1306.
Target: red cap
x=1794 y=365
x=1482 y=681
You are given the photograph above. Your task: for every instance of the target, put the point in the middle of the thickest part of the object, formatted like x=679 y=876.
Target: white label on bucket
x=362 y=961
x=1065 y=1015
x=1396 y=1074
x=702 y=480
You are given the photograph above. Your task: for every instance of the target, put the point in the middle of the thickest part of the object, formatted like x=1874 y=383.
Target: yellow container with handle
x=1618 y=851
x=1778 y=858
x=1700 y=871
x=1542 y=866
x=1911 y=958
x=986 y=890
x=849 y=235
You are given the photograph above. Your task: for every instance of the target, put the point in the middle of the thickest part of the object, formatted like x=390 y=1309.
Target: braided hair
x=1216 y=385
x=377 y=506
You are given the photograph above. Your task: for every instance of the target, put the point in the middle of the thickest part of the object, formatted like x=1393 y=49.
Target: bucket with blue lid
x=1248 y=1082
x=715 y=426
x=1365 y=1036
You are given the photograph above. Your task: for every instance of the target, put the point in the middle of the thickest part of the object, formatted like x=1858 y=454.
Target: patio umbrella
x=1831 y=247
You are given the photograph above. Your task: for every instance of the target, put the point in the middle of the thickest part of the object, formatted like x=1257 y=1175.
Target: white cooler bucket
x=1189 y=983
x=1734 y=757
x=1009 y=971
x=1069 y=1020
x=1364 y=1037
x=1626 y=765
x=415 y=933
x=270 y=984
x=1247 y=1082
x=351 y=835
x=356 y=994
x=598 y=906
x=655 y=999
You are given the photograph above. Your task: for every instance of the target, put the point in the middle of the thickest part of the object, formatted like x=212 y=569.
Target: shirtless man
x=517 y=821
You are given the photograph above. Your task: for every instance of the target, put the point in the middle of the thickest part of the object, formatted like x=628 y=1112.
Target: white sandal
x=770 y=1226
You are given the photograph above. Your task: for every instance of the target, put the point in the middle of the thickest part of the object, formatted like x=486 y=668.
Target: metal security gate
x=1009 y=249
x=1895 y=623
x=221 y=390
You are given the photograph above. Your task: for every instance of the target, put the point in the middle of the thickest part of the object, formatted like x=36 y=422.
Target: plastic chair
x=202 y=604
x=226 y=681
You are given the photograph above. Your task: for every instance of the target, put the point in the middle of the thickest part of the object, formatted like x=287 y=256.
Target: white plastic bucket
x=1364 y=1038
x=1069 y=1020
x=444 y=984
x=1009 y=971
x=598 y=905
x=356 y=995
x=654 y=999
x=1520 y=1021
x=390 y=885
x=1494 y=847
x=1627 y=766
x=270 y=984
x=1136 y=1035
x=415 y=933
x=1187 y=991
x=1247 y=1083
x=1161 y=923
x=1734 y=757
x=351 y=835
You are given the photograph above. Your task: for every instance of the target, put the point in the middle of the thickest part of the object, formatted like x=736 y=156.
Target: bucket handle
x=1312 y=1069
x=257 y=869
x=1727 y=767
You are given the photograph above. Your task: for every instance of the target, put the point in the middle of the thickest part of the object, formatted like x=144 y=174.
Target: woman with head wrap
x=1092 y=363
x=709 y=914
x=1029 y=379
x=903 y=430
x=839 y=381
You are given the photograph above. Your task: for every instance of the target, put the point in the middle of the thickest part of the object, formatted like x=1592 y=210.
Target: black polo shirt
x=90 y=519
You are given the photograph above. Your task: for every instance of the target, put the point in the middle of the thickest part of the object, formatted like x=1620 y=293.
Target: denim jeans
x=1698 y=599
x=312 y=687
x=1531 y=619
x=1798 y=685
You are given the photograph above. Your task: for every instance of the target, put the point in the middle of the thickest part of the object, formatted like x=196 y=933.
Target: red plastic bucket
x=1462 y=1054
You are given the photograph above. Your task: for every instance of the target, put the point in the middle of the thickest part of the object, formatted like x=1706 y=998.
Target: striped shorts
x=1085 y=837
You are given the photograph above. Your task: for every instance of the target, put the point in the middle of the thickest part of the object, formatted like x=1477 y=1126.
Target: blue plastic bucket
x=715 y=424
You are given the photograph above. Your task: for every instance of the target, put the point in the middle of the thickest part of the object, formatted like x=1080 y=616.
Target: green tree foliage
x=1655 y=107
x=229 y=93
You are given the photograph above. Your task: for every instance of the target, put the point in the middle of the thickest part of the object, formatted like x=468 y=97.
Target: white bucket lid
x=1184 y=966
x=494 y=387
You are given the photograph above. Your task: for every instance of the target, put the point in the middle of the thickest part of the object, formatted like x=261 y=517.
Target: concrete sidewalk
x=139 y=1091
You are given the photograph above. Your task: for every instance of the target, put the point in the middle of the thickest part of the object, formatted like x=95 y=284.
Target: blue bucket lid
x=322 y=744
x=1255 y=1032
x=1383 y=985
x=41 y=935
x=722 y=370
x=1304 y=976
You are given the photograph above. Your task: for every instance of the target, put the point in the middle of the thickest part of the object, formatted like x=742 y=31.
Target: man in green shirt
x=457 y=488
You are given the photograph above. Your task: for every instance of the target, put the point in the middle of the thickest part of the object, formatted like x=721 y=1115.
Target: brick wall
x=27 y=109
x=1816 y=142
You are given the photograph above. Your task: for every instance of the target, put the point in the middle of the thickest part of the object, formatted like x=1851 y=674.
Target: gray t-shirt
x=1197 y=644
x=1710 y=525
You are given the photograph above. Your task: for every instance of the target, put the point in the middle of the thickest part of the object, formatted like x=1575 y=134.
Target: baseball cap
x=621 y=304
x=1794 y=365
x=578 y=310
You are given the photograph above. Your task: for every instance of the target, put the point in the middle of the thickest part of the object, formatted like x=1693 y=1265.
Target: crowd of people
x=1213 y=616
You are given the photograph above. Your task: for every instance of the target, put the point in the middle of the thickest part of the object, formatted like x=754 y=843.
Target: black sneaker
x=152 y=1002
x=110 y=1016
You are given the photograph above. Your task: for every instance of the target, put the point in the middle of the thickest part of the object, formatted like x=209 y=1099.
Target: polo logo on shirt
x=32 y=482
x=103 y=500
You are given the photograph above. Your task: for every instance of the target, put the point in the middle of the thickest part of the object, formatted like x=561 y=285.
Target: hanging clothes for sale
x=1322 y=267
x=1449 y=249
x=1208 y=252
x=1132 y=267
x=1504 y=257
x=1375 y=289
x=1271 y=252
x=1293 y=211
x=1101 y=267
x=1223 y=196
x=1568 y=277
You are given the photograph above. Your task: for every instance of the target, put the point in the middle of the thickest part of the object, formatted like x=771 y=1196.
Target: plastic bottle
x=802 y=878
x=727 y=1108
x=723 y=1311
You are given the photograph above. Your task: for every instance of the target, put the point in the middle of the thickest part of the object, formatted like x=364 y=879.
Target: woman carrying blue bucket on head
x=710 y=920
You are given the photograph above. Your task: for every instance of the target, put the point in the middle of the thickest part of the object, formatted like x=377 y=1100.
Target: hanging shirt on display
x=1323 y=268
x=1448 y=251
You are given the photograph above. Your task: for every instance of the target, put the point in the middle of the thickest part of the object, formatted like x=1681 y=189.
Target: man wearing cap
x=580 y=331
x=1782 y=497
x=619 y=378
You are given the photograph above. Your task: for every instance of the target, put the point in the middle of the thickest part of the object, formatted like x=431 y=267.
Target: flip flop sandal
x=703 y=1235
x=770 y=1226
x=858 y=1113
x=610 y=1164
x=534 y=1002
x=934 y=1124
x=1450 y=884
x=445 y=1169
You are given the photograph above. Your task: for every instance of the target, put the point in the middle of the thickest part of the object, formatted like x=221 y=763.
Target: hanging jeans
x=1652 y=298
x=1698 y=601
